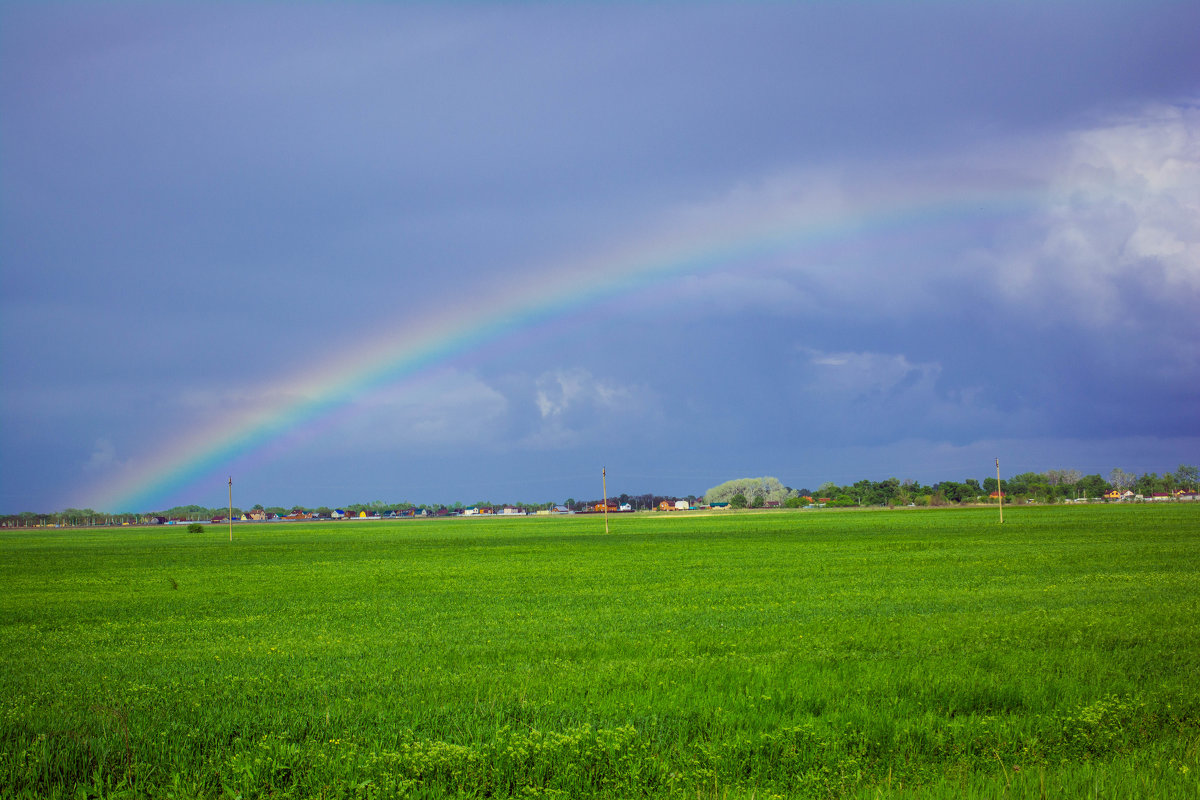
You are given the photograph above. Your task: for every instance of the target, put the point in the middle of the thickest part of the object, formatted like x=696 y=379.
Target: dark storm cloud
x=198 y=203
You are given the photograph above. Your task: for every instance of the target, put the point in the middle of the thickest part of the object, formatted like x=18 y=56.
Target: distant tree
x=1121 y=479
x=766 y=488
x=1092 y=486
x=257 y=507
x=1149 y=483
x=1027 y=484
x=828 y=489
x=887 y=493
x=1188 y=477
x=757 y=501
x=737 y=501
x=953 y=492
x=1062 y=477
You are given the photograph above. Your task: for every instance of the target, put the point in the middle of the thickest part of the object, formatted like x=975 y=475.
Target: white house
x=681 y=505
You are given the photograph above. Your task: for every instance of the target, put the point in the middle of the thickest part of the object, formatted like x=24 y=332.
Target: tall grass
x=894 y=654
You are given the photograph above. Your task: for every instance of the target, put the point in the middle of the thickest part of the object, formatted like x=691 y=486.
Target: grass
x=878 y=654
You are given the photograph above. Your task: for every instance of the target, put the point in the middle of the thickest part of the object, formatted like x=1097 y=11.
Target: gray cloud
x=200 y=204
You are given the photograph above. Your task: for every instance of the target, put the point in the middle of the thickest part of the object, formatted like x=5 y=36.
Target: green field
x=791 y=654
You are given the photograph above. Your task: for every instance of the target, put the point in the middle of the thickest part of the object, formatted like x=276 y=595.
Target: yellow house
x=362 y=515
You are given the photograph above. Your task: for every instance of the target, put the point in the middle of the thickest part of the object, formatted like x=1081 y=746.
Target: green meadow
x=905 y=654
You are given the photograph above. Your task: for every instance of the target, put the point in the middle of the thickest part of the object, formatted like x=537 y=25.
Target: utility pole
x=999 y=492
x=604 y=487
x=231 y=508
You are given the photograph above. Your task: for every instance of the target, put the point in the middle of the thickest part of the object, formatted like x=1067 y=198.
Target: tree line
x=1052 y=486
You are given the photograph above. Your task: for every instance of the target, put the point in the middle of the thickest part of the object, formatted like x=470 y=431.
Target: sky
x=342 y=253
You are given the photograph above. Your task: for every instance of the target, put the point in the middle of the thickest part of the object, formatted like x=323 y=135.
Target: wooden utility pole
x=231 y=508
x=604 y=487
x=999 y=492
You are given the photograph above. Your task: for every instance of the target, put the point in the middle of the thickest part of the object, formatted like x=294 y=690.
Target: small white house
x=681 y=505
x=626 y=507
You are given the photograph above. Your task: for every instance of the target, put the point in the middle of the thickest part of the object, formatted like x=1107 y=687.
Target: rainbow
x=395 y=356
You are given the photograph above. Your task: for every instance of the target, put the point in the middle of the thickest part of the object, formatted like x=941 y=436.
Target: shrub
x=195 y=528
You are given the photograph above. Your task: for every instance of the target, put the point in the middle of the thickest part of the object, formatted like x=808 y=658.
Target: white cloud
x=1121 y=219
x=1067 y=223
x=862 y=376
x=573 y=403
x=560 y=390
